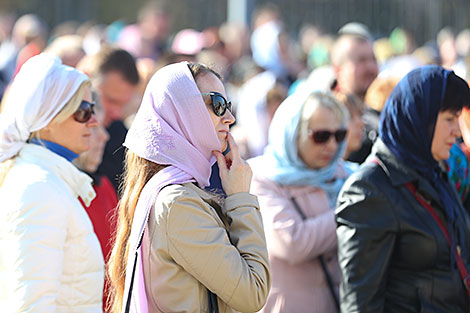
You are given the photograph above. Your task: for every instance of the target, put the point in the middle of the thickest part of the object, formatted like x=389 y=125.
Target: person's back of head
x=110 y=59
x=266 y=13
x=379 y=91
x=27 y=28
x=121 y=61
x=68 y=48
x=355 y=29
x=448 y=52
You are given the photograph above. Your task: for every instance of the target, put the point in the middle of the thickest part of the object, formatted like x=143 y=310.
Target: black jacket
x=392 y=253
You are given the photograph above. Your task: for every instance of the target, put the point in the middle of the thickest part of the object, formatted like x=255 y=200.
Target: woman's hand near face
x=234 y=172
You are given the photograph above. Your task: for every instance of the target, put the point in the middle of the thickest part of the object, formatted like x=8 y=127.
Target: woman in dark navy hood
x=403 y=235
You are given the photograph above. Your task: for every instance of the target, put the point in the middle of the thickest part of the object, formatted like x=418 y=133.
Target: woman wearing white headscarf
x=50 y=258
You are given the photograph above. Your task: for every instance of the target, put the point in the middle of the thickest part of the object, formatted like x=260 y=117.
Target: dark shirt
x=371 y=132
x=113 y=156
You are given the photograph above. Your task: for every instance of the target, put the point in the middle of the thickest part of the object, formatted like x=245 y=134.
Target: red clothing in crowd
x=25 y=54
x=102 y=212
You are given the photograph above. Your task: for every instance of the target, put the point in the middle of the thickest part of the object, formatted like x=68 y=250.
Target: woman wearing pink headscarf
x=179 y=248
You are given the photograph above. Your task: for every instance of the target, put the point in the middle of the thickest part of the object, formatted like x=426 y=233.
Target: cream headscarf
x=39 y=91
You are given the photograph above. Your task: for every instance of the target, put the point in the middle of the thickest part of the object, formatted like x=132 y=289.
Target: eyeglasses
x=219 y=103
x=322 y=136
x=84 y=111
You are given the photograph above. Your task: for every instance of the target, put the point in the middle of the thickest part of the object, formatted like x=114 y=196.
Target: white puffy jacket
x=50 y=258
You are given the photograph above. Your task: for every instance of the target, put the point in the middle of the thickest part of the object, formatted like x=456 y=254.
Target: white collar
x=79 y=182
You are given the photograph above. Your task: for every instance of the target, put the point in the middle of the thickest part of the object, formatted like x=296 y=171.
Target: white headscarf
x=39 y=91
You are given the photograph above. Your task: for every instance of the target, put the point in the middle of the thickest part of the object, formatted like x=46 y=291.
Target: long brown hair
x=137 y=172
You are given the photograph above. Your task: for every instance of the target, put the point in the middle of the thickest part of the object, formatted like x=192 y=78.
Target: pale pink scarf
x=172 y=127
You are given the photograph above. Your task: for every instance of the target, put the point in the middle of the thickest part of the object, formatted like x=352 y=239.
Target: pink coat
x=298 y=282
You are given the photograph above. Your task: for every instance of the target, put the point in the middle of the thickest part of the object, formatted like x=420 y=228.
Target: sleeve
x=234 y=266
x=34 y=246
x=291 y=238
x=367 y=231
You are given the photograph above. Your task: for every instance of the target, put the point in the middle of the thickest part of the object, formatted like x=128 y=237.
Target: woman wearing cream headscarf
x=50 y=258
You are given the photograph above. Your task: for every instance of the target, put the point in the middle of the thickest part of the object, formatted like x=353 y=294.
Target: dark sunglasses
x=322 y=136
x=84 y=111
x=219 y=103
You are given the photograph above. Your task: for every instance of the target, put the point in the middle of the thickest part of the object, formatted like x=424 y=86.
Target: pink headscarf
x=172 y=127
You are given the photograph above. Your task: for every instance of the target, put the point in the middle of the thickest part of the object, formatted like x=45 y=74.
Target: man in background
x=353 y=60
x=114 y=74
x=355 y=68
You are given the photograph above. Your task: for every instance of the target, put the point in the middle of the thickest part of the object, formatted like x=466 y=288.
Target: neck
x=56 y=148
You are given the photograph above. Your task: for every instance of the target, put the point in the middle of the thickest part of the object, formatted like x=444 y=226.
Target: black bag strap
x=329 y=280
x=213 y=305
x=129 y=295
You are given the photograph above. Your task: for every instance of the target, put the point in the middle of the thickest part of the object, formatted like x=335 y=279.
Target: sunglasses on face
x=322 y=136
x=84 y=112
x=219 y=103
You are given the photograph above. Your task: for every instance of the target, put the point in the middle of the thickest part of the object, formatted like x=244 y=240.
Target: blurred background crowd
x=264 y=50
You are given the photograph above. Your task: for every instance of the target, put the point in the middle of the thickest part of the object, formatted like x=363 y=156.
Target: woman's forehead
x=207 y=82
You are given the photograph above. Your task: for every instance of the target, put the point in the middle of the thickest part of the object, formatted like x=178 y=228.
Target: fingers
x=233 y=146
x=220 y=160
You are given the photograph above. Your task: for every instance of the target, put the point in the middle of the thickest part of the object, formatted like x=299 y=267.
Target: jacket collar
x=399 y=173
x=211 y=200
x=79 y=183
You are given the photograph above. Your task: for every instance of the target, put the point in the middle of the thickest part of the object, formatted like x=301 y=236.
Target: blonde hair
x=325 y=100
x=69 y=108
x=137 y=172
x=379 y=91
x=72 y=105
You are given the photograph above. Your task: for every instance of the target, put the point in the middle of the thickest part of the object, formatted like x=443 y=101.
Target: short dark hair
x=119 y=60
x=457 y=94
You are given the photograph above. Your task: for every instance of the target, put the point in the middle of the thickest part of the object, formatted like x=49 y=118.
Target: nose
x=228 y=118
x=92 y=122
x=331 y=144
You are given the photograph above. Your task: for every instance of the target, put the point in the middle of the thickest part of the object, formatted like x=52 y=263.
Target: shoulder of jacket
x=29 y=174
x=370 y=171
x=370 y=180
x=170 y=194
x=34 y=179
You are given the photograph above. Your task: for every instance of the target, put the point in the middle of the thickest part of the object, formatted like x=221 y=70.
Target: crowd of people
x=232 y=169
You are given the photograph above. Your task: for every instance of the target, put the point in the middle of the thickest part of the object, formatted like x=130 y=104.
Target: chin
x=81 y=150
x=223 y=145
